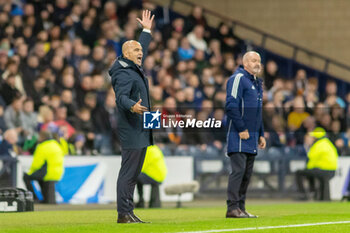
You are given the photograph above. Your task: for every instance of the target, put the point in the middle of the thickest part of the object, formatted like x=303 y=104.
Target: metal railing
x=265 y=36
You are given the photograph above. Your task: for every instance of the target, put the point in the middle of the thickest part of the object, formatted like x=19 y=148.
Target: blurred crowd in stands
x=54 y=61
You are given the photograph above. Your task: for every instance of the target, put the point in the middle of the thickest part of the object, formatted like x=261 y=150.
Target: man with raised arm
x=132 y=98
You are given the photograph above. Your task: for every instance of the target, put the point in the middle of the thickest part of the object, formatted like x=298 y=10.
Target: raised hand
x=147 y=20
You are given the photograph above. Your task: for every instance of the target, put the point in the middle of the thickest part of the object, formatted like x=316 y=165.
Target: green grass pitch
x=183 y=220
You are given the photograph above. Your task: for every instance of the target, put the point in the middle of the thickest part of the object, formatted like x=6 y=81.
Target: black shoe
x=126 y=218
x=138 y=219
x=248 y=214
x=236 y=213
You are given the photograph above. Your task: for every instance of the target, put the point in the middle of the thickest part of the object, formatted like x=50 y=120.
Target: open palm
x=147 y=20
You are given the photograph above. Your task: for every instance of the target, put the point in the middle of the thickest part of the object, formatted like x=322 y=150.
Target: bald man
x=8 y=152
x=8 y=144
x=245 y=133
x=132 y=97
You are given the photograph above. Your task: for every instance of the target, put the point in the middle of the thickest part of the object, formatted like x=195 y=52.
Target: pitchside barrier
x=92 y=179
x=276 y=176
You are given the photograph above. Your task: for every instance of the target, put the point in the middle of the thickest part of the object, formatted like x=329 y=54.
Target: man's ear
x=125 y=55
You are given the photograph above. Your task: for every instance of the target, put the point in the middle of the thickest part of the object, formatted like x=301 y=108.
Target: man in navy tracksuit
x=245 y=133
x=130 y=85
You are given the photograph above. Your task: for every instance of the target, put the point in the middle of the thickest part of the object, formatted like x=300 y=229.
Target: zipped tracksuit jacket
x=244 y=111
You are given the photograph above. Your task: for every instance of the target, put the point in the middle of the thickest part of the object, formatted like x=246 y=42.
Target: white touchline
x=268 y=227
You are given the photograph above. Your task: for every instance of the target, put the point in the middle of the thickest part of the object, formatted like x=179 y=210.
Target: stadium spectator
x=86 y=31
x=3 y=126
x=185 y=51
x=13 y=117
x=300 y=82
x=307 y=126
x=230 y=43
x=150 y=69
x=38 y=93
x=326 y=122
x=270 y=73
x=196 y=18
x=175 y=29
x=30 y=122
x=298 y=115
x=337 y=114
x=12 y=69
x=196 y=38
x=97 y=59
x=330 y=96
x=8 y=146
x=68 y=102
x=214 y=52
x=90 y=101
x=46 y=117
x=62 y=121
x=82 y=89
x=229 y=65
x=57 y=65
x=311 y=99
x=110 y=11
x=8 y=151
x=110 y=107
x=277 y=135
x=8 y=89
x=84 y=125
x=172 y=135
x=336 y=135
x=99 y=88
x=219 y=134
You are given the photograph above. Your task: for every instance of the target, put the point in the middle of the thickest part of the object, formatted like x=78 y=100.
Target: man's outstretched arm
x=145 y=36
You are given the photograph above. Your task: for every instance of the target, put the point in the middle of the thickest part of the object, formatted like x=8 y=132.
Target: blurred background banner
x=93 y=179
x=82 y=184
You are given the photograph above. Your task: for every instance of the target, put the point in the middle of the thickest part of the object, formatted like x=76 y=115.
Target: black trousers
x=132 y=161
x=47 y=187
x=238 y=181
x=323 y=176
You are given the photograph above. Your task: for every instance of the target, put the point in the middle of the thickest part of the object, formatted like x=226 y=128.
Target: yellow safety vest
x=323 y=155
x=49 y=152
x=154 y=165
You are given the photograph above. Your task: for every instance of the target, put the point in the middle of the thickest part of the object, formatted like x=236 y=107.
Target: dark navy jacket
x=5 y=149
x=130 y=84
x=244 y=111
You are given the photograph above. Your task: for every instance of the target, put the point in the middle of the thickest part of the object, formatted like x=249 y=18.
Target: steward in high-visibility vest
x=153 y=172
x=321 y=165
x=47 y=166
x=322 y=154
x=48 y=156
x=154 y=165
